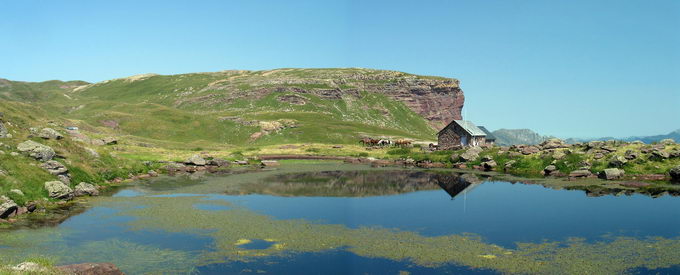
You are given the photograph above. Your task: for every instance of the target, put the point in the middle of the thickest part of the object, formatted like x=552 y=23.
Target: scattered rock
x=630 y=155
x=196 y=160
x=218 y=162
x=49 y=133
x=489 y=165
x=85 y=188
x=270 y=163
x=659 y=155
x=7 y=207
x=17 y=191
x=598 y=156
x=530 y=150
x=241 y=162
x=54 y=167
x=36 y=150
x=110 y=141
x=559 y=155
x=612 y=173
x=486 y=158
x=675 y=174
x=455 y=157
x=58 y=190
x=29 y=267
x=552 y=143
x=3 y=131
x=91 y=269
x=471 y=154
x=549 y=169
x=509 y=164
x=153 y=173
x=581 y=173
x=14 y=154
x=65 y=178
x=618 y=161
x=668 y=141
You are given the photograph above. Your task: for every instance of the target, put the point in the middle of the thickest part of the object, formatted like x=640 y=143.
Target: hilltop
x=251 y=107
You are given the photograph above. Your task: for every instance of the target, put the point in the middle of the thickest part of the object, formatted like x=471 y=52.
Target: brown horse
x=369 y=141
x=402 y=142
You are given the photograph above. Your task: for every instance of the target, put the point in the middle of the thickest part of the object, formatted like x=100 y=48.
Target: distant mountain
x=508 y=137
x=675 y=135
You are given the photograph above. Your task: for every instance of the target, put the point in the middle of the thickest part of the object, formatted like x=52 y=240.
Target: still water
x=335 y=218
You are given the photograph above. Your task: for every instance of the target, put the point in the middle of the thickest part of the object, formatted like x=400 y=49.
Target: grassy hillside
x=230 y=108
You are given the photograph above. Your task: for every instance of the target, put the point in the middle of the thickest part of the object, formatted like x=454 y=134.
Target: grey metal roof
x=470 y=127
x=489 y=135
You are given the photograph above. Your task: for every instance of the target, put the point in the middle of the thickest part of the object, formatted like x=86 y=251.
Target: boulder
x=580 y=173
x=3 y=131
x=36 y=150
x=54 y=167
x=617 y=161
x=659 y=155
x=675 y=174
x=612 y=173
x=489 y=165
x=65 y=178
x=559 y=155
x=58 y=190
x=153 y=173
x=91 y=269
x=552 y=143
x=49 y=133
x=469 y=156
x=455 y=157
x=509 y=164
x=85 y=188
x=218 y=162
x=668 y=141
x=549 y=169
x=594 y=144
x=29 y=267
x=486 y=158
x=196 y=160
x=110 y=140
x=270 y=163
x=530 y=150
x=630 y=155
x=7 y=207
x=598 y=156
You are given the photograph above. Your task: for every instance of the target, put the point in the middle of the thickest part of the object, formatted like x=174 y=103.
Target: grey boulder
x=84 y=188
x=49 y=133
x=36 y=150
x=612 y=173
x=58 y=190
x=7 y=207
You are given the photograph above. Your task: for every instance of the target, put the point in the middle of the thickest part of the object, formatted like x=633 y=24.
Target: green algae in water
x=230 y=227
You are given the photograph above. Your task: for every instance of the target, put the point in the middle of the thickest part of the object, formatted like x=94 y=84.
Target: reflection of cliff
x=356 y=183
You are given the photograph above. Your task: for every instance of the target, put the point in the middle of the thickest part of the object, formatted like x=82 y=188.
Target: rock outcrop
x=58 y=190
x=36 y=150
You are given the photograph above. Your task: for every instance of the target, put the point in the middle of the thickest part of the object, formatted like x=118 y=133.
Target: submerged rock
x=58 y=190
x=36 y=150
x=85 y=188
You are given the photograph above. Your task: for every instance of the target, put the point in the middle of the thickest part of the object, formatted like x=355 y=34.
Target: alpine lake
x=336 y=218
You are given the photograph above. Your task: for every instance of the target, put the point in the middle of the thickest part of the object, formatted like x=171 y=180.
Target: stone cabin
x=490 y=138
x=460 y=133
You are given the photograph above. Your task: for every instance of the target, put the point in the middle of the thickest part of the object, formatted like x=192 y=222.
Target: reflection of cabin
x=454 y=185
x=460 y=133
x=490 y=138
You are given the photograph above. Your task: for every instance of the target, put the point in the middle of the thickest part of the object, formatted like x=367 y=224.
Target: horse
x=369 y=141
x=384 y=142
x=402 y=142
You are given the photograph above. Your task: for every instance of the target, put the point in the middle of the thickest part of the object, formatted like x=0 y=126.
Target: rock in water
x=7 y=207
x=270 y=163
x=91 y=269
x=58 y=190
x=612 y=173
x=36 y=150
x=49 y=133
x=85 y=188
x=196 y=160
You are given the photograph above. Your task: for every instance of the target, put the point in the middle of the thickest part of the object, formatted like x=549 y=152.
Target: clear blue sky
x=577 y=68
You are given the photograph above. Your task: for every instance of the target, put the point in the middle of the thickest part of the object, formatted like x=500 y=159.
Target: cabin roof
x=468 y=126
x=489 y=135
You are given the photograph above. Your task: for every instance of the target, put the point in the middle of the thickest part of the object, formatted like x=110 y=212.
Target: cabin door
x=463 y=140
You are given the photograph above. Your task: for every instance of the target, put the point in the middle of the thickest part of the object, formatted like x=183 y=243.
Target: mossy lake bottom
x=332 y=218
